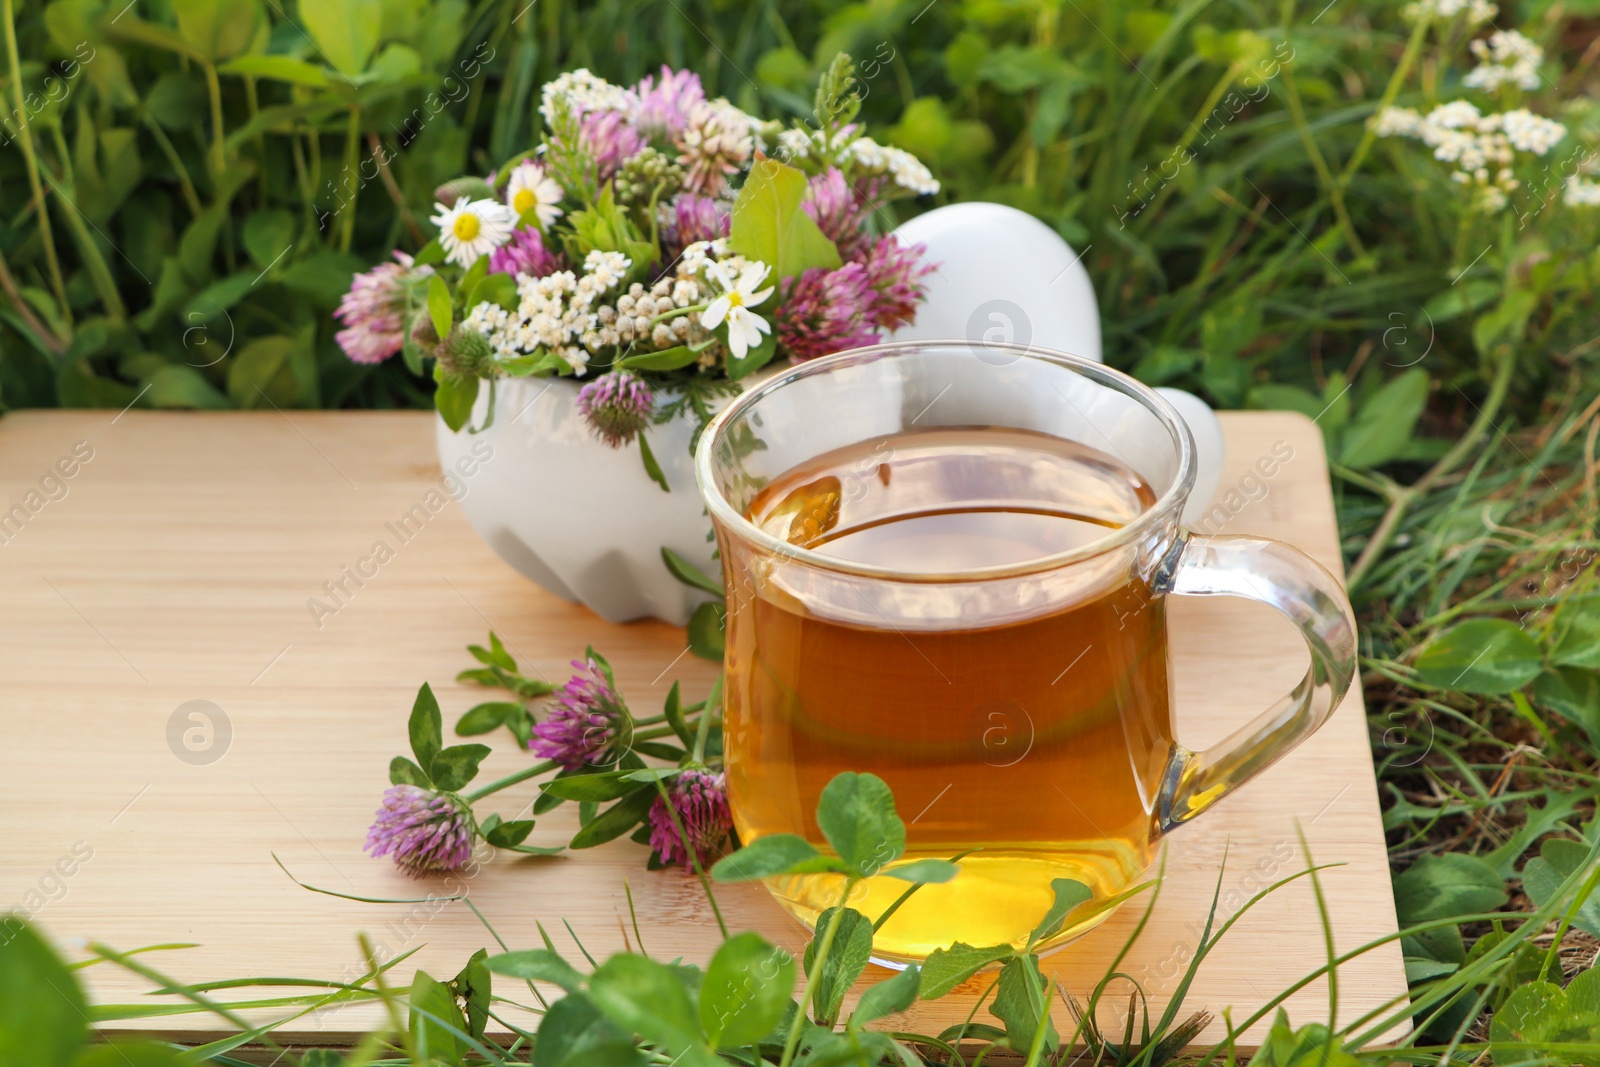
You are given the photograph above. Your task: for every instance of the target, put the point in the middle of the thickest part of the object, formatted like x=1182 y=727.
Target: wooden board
x=176 y=564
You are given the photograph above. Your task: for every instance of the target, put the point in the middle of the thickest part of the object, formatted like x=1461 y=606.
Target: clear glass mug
x=1043 y=762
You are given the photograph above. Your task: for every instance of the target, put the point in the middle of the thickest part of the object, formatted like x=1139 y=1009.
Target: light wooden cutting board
x=176 y=564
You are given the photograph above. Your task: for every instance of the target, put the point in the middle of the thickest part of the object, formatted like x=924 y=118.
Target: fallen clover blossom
x=700 y=800
x=588 y=725
x=425 y=832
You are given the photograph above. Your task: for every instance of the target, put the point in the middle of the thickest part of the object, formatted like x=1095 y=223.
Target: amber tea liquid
x=1038 y=742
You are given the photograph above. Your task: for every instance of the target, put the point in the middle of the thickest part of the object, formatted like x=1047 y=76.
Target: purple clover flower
x=838 y=212
x=611 y=140
x=374 y=310
x=895 y=272
x=700 y=799
x=587 y=725
x=827 y=311
x=425 y=832
x=526 y=254
x=616 y=405
x=700 y=218
x=664 y=106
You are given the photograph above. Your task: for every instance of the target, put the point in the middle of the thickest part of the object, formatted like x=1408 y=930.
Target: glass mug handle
x=1300 y=588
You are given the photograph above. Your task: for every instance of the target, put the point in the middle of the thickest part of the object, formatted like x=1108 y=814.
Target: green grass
x=1248 y=236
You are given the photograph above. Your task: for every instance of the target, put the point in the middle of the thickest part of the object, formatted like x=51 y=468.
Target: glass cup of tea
x=946 y=564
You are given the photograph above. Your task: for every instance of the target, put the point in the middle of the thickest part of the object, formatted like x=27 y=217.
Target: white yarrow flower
x=1506 y=57
x=906 y=169
x=470 y=229
x=530 y=188
x=1581 y=192
x=739 y=295
x=1477 y=11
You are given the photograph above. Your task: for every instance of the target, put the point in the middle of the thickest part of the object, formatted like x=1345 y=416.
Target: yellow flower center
x=466 y=226
x=523 y=201
x=736 y=299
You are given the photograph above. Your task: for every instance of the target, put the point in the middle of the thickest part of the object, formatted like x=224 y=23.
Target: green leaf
x=43 y=1016
x=766 y=857
x=1437 y=887
x=706 y=638
x=426 y=727
x=537 y=965
x=924 y=872
x=454 y=767
x=218 y=29
x=1484 y=656
x=649 y=999
x=1575 y=633
x=616 y=820
x=454 y=399
x=1421 y=969
x=856 y=814
x=1536 y=1012
x=1558 y=859
x=946 y=968
x=403 y=772
x=439 y=308
x=1461 y=298
x=472 y=985
x=1277 y=397
x=486 y=717
x=887 y=997
x=746 y=990
x=178 y=386
x=769 y=224
x=432 y=1040
x=1020 y=992
x=1574 y=693
x=1068 y=895
x=133 y=1054
x=1385 y=422
x=268 y=235
x=672 y=358
x=261 y=373
x=498 y=288
x=689 y=574
x=345 y=31
x=651 y=467
x=277 y=68
x=508 y=834
x=672 y=711
x=573 y=1033
x=847 y=958
x=430 y=254
x=606 y=785
x=754 y=359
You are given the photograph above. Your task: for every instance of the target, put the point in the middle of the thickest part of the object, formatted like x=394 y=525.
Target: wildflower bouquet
x=625 y=249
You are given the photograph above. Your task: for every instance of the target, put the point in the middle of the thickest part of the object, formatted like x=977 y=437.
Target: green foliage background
x=214 y=170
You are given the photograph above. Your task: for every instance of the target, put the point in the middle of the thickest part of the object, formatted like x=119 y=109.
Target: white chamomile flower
x=530 y=188
x=739 y=295
x=470 y=229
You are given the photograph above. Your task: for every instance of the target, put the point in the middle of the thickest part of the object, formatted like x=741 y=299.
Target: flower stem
x=510 y=780
x=694 y=855
x=25 y=135
x=1390 y=91
x=808 y=990
x=703 y=727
